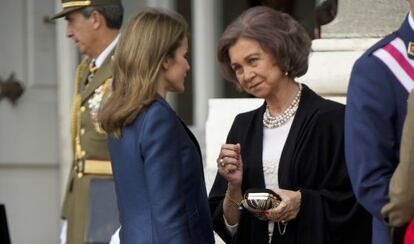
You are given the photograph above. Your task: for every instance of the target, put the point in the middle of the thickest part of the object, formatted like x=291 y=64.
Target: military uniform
x=89 y=143
x=375 y=113
x=90 y=201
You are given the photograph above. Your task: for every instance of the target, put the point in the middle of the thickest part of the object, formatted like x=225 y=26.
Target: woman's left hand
x=288 y=208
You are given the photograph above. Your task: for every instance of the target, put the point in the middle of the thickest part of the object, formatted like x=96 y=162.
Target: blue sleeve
x=370 y=133
x=161 y=154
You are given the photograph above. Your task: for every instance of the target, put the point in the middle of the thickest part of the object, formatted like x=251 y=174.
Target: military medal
x=410 y=49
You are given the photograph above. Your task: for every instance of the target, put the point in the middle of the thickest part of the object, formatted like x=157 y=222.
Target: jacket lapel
x=252 y=151
x=102 y=74
x=298 y=129
x=85 y=73
x=192 y=137
x=187 y=130
x=406 y=33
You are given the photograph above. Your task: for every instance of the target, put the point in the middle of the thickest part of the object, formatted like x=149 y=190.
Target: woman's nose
x=249 y=75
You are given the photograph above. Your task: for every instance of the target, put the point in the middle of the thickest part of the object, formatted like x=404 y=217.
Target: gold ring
x=221 y=163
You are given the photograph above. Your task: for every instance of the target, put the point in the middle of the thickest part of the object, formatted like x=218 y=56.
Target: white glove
x=115 y=237
x=63 y=231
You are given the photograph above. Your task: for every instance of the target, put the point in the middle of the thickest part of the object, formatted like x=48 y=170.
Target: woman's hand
x=288 y=208
x=230 y=165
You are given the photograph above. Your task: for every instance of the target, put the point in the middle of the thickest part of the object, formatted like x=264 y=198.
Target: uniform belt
x=93 y=167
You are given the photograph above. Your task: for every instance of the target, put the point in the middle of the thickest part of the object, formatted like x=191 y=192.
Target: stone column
x=206 y=81
x=204 y=37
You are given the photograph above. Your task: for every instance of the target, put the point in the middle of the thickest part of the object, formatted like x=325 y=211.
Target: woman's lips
x=255 y=85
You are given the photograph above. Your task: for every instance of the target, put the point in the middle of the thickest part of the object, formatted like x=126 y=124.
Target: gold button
x=82 y=131
x=83 y=108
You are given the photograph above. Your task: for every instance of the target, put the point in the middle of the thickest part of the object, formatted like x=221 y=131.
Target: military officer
x=94 y=27
x=376 y=108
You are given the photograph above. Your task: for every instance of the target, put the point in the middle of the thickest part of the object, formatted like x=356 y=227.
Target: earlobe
x=166 y=63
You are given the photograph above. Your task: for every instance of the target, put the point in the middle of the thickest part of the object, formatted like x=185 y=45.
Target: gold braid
x=75 y=113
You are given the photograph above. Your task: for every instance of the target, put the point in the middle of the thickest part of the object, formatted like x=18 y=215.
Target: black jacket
x=313 y=162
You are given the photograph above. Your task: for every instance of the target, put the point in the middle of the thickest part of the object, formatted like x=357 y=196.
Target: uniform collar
x=101 y=57
x=410 y=21
x=406 y=33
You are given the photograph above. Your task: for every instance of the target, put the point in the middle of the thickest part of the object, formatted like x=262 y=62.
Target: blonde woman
x=156 y=160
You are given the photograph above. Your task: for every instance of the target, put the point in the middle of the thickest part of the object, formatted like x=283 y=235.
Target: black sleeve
x=329 y=209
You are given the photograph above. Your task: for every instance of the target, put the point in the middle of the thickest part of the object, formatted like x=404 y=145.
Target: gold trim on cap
x=76 y=4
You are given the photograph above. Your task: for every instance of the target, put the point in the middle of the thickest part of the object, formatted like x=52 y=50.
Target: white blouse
x=273 y=142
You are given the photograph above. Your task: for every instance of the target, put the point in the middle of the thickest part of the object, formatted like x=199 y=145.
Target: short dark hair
x=276 y=32
x=113 y=14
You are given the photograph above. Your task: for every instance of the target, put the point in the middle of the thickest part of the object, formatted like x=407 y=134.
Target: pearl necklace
x=270 y=121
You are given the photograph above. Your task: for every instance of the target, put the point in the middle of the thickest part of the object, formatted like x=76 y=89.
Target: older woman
x=292 y=144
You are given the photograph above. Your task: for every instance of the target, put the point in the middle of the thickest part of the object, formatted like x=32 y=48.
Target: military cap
x=72 y=5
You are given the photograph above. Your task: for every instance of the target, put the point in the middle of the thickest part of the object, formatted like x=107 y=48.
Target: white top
x=101 y=57
x=273 y=142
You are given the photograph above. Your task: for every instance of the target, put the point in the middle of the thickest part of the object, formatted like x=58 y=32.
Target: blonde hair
x=148 y=38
